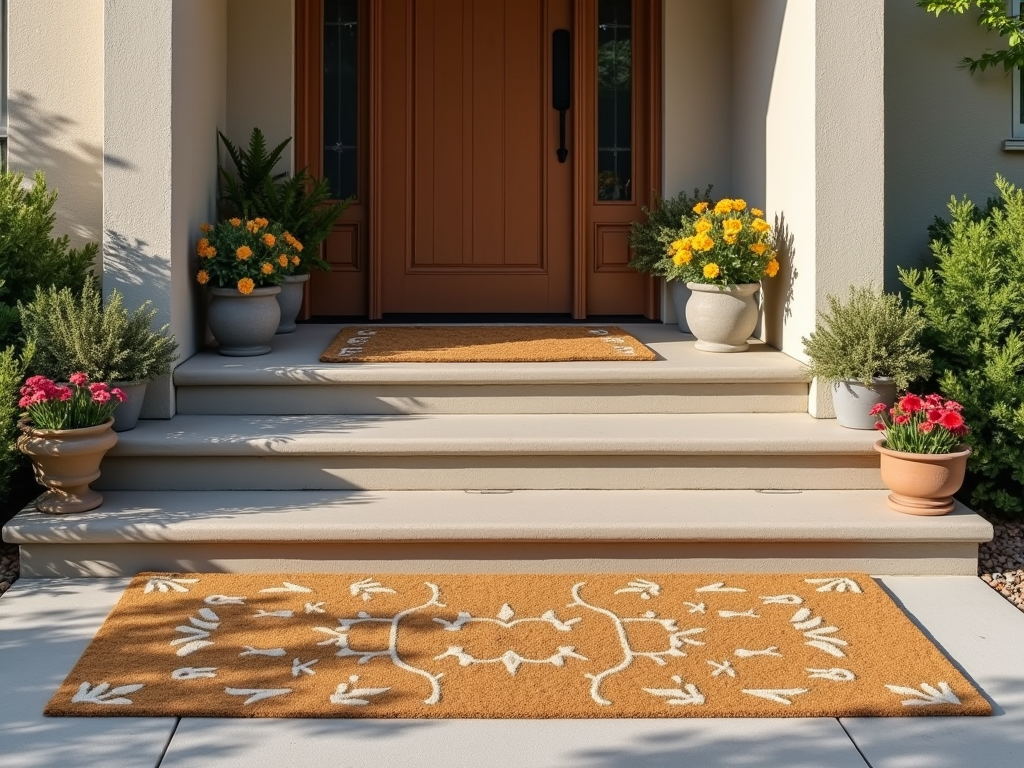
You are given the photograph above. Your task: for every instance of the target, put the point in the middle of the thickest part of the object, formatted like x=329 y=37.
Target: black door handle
x=561 y=83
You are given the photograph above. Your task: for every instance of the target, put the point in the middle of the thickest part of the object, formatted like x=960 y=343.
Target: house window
x=1017 y=122
x=341 y=96
x=614 y=99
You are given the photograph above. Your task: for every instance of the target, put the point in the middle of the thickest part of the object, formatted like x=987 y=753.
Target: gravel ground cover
x=9 y=568
x=1001 y=562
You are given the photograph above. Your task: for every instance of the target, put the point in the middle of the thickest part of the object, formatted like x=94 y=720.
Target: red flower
x=877 y=409
x=101 y=396
x=119 y=394
x=25 y=402
x=78 y=379
x=935 y=415
x=902 y=419
x=952 y=420
x=911 y=403
x=933 y=400
x=879 y=425
x=64 y=394
x=98 y=386
x=952 y=405
x=926 y=427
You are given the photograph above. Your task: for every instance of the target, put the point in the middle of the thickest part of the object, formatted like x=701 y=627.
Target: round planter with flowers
x=722 y=252
x=294 y=276
x=244 y=263
x=923 y=456
x=66 y=432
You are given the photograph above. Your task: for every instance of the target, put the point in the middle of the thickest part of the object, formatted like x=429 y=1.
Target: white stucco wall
x=944 y=127
x=261 y=77
x=55 y=76
x=164 y=85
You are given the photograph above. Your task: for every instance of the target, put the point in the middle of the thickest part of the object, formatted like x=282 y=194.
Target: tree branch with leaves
x=995 y=17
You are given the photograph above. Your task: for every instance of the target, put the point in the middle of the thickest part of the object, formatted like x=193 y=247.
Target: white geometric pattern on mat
x=929 y=695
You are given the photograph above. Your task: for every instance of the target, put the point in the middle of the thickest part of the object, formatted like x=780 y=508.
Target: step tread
x=494 y=434
x=295 y=361
x=141 y=517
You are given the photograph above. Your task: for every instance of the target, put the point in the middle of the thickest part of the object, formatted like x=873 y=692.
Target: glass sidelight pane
x=341 y=96
x=614 y=99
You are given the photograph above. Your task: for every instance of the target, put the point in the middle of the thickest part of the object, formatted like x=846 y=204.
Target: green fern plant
x=870 y=334
x=649 y=239
x=77 y=332
x=253 y=169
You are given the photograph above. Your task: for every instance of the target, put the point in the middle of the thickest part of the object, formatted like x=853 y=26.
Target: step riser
x=517 y=472
x=297 y=400
x=112 y=560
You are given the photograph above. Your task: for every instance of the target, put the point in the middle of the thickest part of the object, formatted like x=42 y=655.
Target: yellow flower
x=296 y=261
x=702 y=225
x=235 y=222
x=269 y=240
x=759 y=248
x=732 y=226
x=723 y=206
x=283 y=260
x=252 y=226
x=243 y=253
x=757 y=212
x=739 y=205
x=700 y=208
x=772 y=268
x=202 y=277
x=266 y=268
x=730 y=239
x=681 y=244
x=760 y=225
x=206 y=228
x=703 y=243
x=681 y=258
x=711 y=271
x=245 y=285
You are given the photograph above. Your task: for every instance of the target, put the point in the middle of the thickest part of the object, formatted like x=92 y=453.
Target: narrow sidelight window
x=341 y=96
x=614 y=99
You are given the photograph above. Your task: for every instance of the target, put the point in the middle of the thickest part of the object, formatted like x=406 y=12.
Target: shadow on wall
x=780 y=288
x=131 y=262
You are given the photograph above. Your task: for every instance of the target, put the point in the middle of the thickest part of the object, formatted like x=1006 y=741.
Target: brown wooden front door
x=462 y=204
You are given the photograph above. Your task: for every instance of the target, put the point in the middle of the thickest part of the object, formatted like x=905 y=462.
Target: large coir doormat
x=522 y=646
x=483 y=344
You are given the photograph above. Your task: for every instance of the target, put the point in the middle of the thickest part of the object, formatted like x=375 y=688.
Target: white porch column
x=164 y=91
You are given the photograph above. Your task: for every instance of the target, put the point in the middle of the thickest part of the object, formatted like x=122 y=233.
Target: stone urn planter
x=126 y=415
x=680 y=293
x=722 y=317
x=853 y=401
x=290 y=301
x=65 y=461
x=922 y=483
x=244 y=324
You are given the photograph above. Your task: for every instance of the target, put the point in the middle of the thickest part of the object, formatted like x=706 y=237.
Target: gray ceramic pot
x=290 y=301
x=853 y=401
x=722 y=317
x=126 y=414
x=680 y=293
x=244 y=324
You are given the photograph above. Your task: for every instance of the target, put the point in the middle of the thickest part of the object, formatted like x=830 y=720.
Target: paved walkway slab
x=45 y=626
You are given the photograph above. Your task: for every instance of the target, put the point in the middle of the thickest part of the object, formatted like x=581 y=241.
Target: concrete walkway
x=46 y=624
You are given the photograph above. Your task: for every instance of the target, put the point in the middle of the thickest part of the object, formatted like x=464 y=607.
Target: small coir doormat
x=511 y=646
x=483 y=344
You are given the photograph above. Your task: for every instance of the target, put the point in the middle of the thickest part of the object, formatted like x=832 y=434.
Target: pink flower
x=38 y=382
x=101 y=396
x=933 y=400
x=64 y=394
x=97 y=387
x=952 y=420
x=902 y=419
x=25 y=402
x=879 y=425
x=79 y=379
x=911 y=403
x=119 y=394
x=926 y=427
x=877 y=409
x=952 y=405
x=38 y=397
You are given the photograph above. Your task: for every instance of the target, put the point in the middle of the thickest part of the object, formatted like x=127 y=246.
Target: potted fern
x=76 y=333
x=299 y=203
x=867 y=347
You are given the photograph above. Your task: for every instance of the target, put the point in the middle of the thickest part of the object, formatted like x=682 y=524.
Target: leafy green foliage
x=13 y=368
x=995 y=17
x=74 y=332
x=29 y=256
x=650 y=239
x=973 y=300
x=299 y=203
x=869 y=334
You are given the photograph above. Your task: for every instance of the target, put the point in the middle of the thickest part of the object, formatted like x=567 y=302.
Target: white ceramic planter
x=126 y=414
x=722 y=317
x=680 y=293
x=853 y=401
x=290 y=301
x=244 y=324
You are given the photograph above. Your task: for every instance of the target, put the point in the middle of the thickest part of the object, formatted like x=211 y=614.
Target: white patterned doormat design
x=519 y=646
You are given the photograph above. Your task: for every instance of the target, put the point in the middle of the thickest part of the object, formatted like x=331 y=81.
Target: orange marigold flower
x=206 y=228
x=730 y=239
x=772 y=269
x=208 y=252
x=261 y=222
x=681 y=258
x=700 y=207
x=711 y=271
x=235 y=222
x=202 y=245
x=252 y=226
x=739 y=205
x=723 y=206
x=283 y=260
x=757 y=212
x=202 y=277
x=732 y=226
x=296 y=261
x=243 y=253
x=267 y=268
x=759 y=248
x=269 y=239
x=297 y=245
x=760 y=225
x=245 y=285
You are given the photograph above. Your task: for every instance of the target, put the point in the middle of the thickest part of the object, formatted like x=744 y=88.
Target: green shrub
x=870 y=334
x=75 y=332
x=650 y=239
x=13 y=368
x=973 y=299
x=29 y=256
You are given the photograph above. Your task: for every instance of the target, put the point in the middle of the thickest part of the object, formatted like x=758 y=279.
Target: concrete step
x=521 y=531
x=487 y=451
x=291 y=381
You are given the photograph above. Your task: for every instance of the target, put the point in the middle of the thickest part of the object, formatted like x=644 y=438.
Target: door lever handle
x=561 y=84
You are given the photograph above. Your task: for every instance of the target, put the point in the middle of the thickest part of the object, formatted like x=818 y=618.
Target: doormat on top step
x=483 y=344
x=511 y=646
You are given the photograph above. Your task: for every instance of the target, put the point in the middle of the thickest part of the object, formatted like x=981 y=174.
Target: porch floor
x=46 y=624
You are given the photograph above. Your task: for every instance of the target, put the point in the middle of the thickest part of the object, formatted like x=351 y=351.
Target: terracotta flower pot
x=65 y=461
x=922 y=483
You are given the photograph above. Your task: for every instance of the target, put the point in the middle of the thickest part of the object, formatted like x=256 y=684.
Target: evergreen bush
x=13 y=368
x=650 y=239
x=75 y=332
x=973 y=300
x=869 y=334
